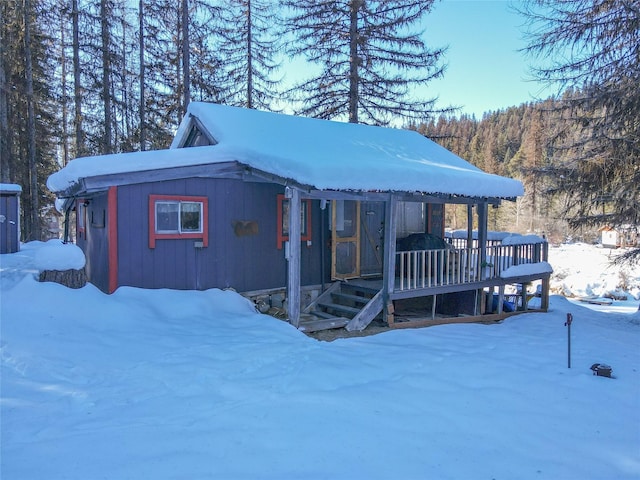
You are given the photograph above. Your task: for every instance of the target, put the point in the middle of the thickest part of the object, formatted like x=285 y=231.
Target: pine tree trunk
x=185 y=56
x=107 y=146
x=353 y=61
x=77 y=87
x=141 y=74
x=35 y=233
x=5 y=175
x=64 y=99
x=249 y=58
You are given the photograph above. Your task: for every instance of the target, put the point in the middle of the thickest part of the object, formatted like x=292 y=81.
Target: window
x=177 y=217
x=81 y=217
x=196 y=138
x=98 y=220
x=283 y=220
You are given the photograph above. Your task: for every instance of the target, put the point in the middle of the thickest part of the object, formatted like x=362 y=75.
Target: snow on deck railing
x=452 y=266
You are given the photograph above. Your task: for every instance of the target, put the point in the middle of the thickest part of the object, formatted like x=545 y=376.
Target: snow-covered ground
x=586 y=271
x=196 y=385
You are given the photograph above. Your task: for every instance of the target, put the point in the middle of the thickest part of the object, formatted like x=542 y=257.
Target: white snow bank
x=10 y=188
x=169 y=384
x=56 y=255
x=36 y=257
x=526 y=269
x=582 y=270
x=516 y=239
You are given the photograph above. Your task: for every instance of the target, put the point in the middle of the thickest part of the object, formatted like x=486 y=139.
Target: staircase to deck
x=343 y=304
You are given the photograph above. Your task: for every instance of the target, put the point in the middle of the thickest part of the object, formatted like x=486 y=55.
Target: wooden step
x=321 y=314
x=351 y=288
x=340 y=297
x=322 y=324
x=340 y=308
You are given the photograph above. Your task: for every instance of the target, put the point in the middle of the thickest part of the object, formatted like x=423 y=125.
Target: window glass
x=283 y=220
x=304 y=207
x=80 y=214
x=190 y=216
x=167 y=217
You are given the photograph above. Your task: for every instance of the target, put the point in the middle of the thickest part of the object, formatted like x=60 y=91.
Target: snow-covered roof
x=324 y=154
x=10 y=188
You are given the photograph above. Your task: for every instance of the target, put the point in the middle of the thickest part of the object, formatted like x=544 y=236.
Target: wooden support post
x=389 y=266
x=482 y=237
x=544 y=295
x=500 y=299
x=389 y=313
x=293 y=280
x=433 y=308
x=490 y=300
x=469 y=226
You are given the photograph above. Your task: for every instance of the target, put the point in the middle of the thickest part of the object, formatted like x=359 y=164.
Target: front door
x=345 y=239
x=372 y=234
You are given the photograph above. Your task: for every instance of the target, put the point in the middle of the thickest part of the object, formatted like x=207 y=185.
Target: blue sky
x=485 y=69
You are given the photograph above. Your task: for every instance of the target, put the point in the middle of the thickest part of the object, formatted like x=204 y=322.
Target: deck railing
x=450 y=266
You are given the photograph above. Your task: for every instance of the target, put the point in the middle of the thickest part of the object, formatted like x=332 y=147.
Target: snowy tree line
x=578 y=154
x=88 y=77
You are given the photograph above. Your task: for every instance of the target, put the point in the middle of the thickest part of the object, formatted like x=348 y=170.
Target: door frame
x=336 y=239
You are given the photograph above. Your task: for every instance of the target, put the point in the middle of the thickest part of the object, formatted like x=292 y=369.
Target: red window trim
x=306 y=203
x=153 y=236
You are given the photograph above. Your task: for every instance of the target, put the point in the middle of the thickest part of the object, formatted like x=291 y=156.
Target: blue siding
x=9 y=231
x=250 y=262
x=95 y=245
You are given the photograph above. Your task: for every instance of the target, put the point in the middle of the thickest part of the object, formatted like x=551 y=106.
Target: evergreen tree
x=173 y=79
x=27 y=113
x=594 y=46
x=249 y=49
x=368 y=58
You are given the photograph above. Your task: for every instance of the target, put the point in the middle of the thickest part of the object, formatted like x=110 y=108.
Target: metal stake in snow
x=568 y=325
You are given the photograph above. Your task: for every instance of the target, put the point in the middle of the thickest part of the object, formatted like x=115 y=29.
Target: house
x=9 y=217
x=298 y=212
x=50 y=222
x=621 y=236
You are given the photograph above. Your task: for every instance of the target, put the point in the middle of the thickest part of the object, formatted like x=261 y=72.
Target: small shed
x=609 y=237
x=9 y=217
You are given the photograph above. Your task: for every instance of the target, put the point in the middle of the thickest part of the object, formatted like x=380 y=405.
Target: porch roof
x=324 y=155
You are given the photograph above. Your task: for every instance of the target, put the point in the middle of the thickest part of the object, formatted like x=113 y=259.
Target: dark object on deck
x=601 y=370
x=506 y=305
x=421 y=241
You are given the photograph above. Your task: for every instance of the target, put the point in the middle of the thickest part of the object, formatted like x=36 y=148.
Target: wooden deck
x=450 y=285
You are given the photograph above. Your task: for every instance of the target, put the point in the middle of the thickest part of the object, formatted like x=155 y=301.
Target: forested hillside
x=519 y=142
